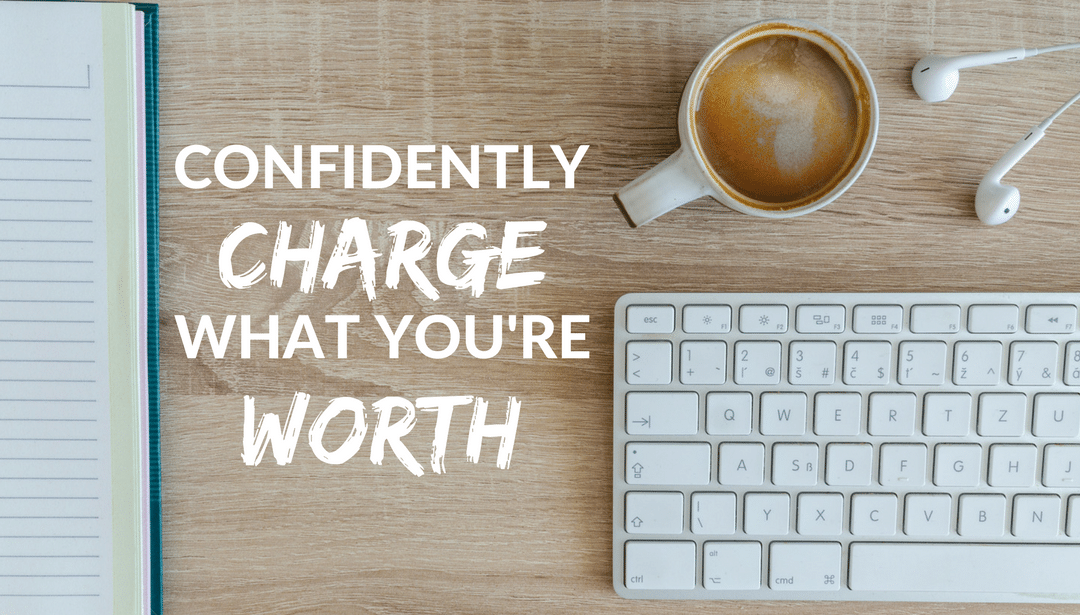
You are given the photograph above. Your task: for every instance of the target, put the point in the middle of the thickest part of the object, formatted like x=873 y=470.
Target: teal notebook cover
x=150 y=32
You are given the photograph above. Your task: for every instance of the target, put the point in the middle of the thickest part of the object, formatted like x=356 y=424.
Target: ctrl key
x=660 y=565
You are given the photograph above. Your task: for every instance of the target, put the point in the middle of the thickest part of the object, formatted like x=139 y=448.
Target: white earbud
x=935 y=77
x=996 y=202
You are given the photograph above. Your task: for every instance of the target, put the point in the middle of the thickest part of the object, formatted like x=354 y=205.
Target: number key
x=1033 y=363
x=867 y=362
x=922 y=363
x=977 y=363
x=812 y=363
x=757 y=362
x=1072 y=363
x=703 y=362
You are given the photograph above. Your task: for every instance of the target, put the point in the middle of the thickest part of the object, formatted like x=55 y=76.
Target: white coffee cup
x=776 y=121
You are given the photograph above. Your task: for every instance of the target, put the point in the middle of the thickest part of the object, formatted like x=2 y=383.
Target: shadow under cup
x=782 y=118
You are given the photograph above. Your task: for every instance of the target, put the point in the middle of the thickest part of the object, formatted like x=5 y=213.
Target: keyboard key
x=667 y=463
x=993 y=318
x=957 y=465
x=651 y=512
x=742 y=463
x=949 y=568
x=703 y=362
x=732 y=565
x=820 y=514
x=1036 y=516
x=811 y=363
x=849 y=465
x=1012 y=465
x=650 y=319
x=1061 y=465
x=922 y=363
x=878 y=319
x=1051 y=319
x=783 y=414
x=660 y=565
x=757 y=363
x=795 y=464
x=935 y=319
x=1033 y=363
x=873 y=514
x=712 y=513
x=903 y=465
x=1072 y=526
x=763 y=318
x=1057 y=415
x=837 y=414
x=1002 y=414
x=766 y=513
x=1072 y=363
x=648 y=362
x=728 y=414
x=662 y=413
x=892 y=414
x=867 y=363
x=927 y=514
x=981 y=516
x=804 y=566
x=947 y=414
x=977 y=363
x=820 y=319
x=706 y=319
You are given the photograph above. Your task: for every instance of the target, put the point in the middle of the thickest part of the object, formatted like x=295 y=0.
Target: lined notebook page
x=55 y=473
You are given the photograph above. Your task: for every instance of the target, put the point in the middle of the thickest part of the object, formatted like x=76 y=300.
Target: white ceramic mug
x=777 y=120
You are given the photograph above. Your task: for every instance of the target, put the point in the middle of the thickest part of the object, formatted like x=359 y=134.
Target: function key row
x=874 y=363
x=832 y=319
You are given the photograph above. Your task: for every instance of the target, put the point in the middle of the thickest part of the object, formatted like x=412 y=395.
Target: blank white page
x=55 y=493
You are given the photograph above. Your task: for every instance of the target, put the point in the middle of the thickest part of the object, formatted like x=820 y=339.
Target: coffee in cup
x=776 y=121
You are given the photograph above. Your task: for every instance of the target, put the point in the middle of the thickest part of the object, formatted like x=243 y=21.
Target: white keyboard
x=896 y=447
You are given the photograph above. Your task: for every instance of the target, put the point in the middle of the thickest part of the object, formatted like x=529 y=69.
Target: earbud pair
x=935 y=79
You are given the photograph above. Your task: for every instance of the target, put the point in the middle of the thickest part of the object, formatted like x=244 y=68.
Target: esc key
x=650 y=319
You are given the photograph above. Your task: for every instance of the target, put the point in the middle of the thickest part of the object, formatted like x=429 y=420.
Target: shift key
x=655 y=463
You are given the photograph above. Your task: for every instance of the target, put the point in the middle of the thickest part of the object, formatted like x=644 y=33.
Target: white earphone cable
x=1035 y=52
x=1055 y=115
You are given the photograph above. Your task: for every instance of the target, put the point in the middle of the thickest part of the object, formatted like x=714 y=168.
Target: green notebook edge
x=150 y=33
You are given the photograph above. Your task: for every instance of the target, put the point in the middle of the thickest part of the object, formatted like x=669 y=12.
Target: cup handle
x=675 y=181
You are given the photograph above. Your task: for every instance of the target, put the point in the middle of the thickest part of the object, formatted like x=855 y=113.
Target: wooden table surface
x=311 y=537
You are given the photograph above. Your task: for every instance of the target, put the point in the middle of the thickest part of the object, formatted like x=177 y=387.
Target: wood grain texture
x=360 y=538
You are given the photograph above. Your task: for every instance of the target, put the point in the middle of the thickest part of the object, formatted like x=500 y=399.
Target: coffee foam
x=777 y=120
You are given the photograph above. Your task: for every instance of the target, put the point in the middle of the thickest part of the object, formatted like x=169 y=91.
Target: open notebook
x=79 y=499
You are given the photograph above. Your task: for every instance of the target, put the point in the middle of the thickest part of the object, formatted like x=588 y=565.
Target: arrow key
x=649 y=512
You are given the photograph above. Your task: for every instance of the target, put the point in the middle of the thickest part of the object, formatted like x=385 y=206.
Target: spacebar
x=953 y=567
